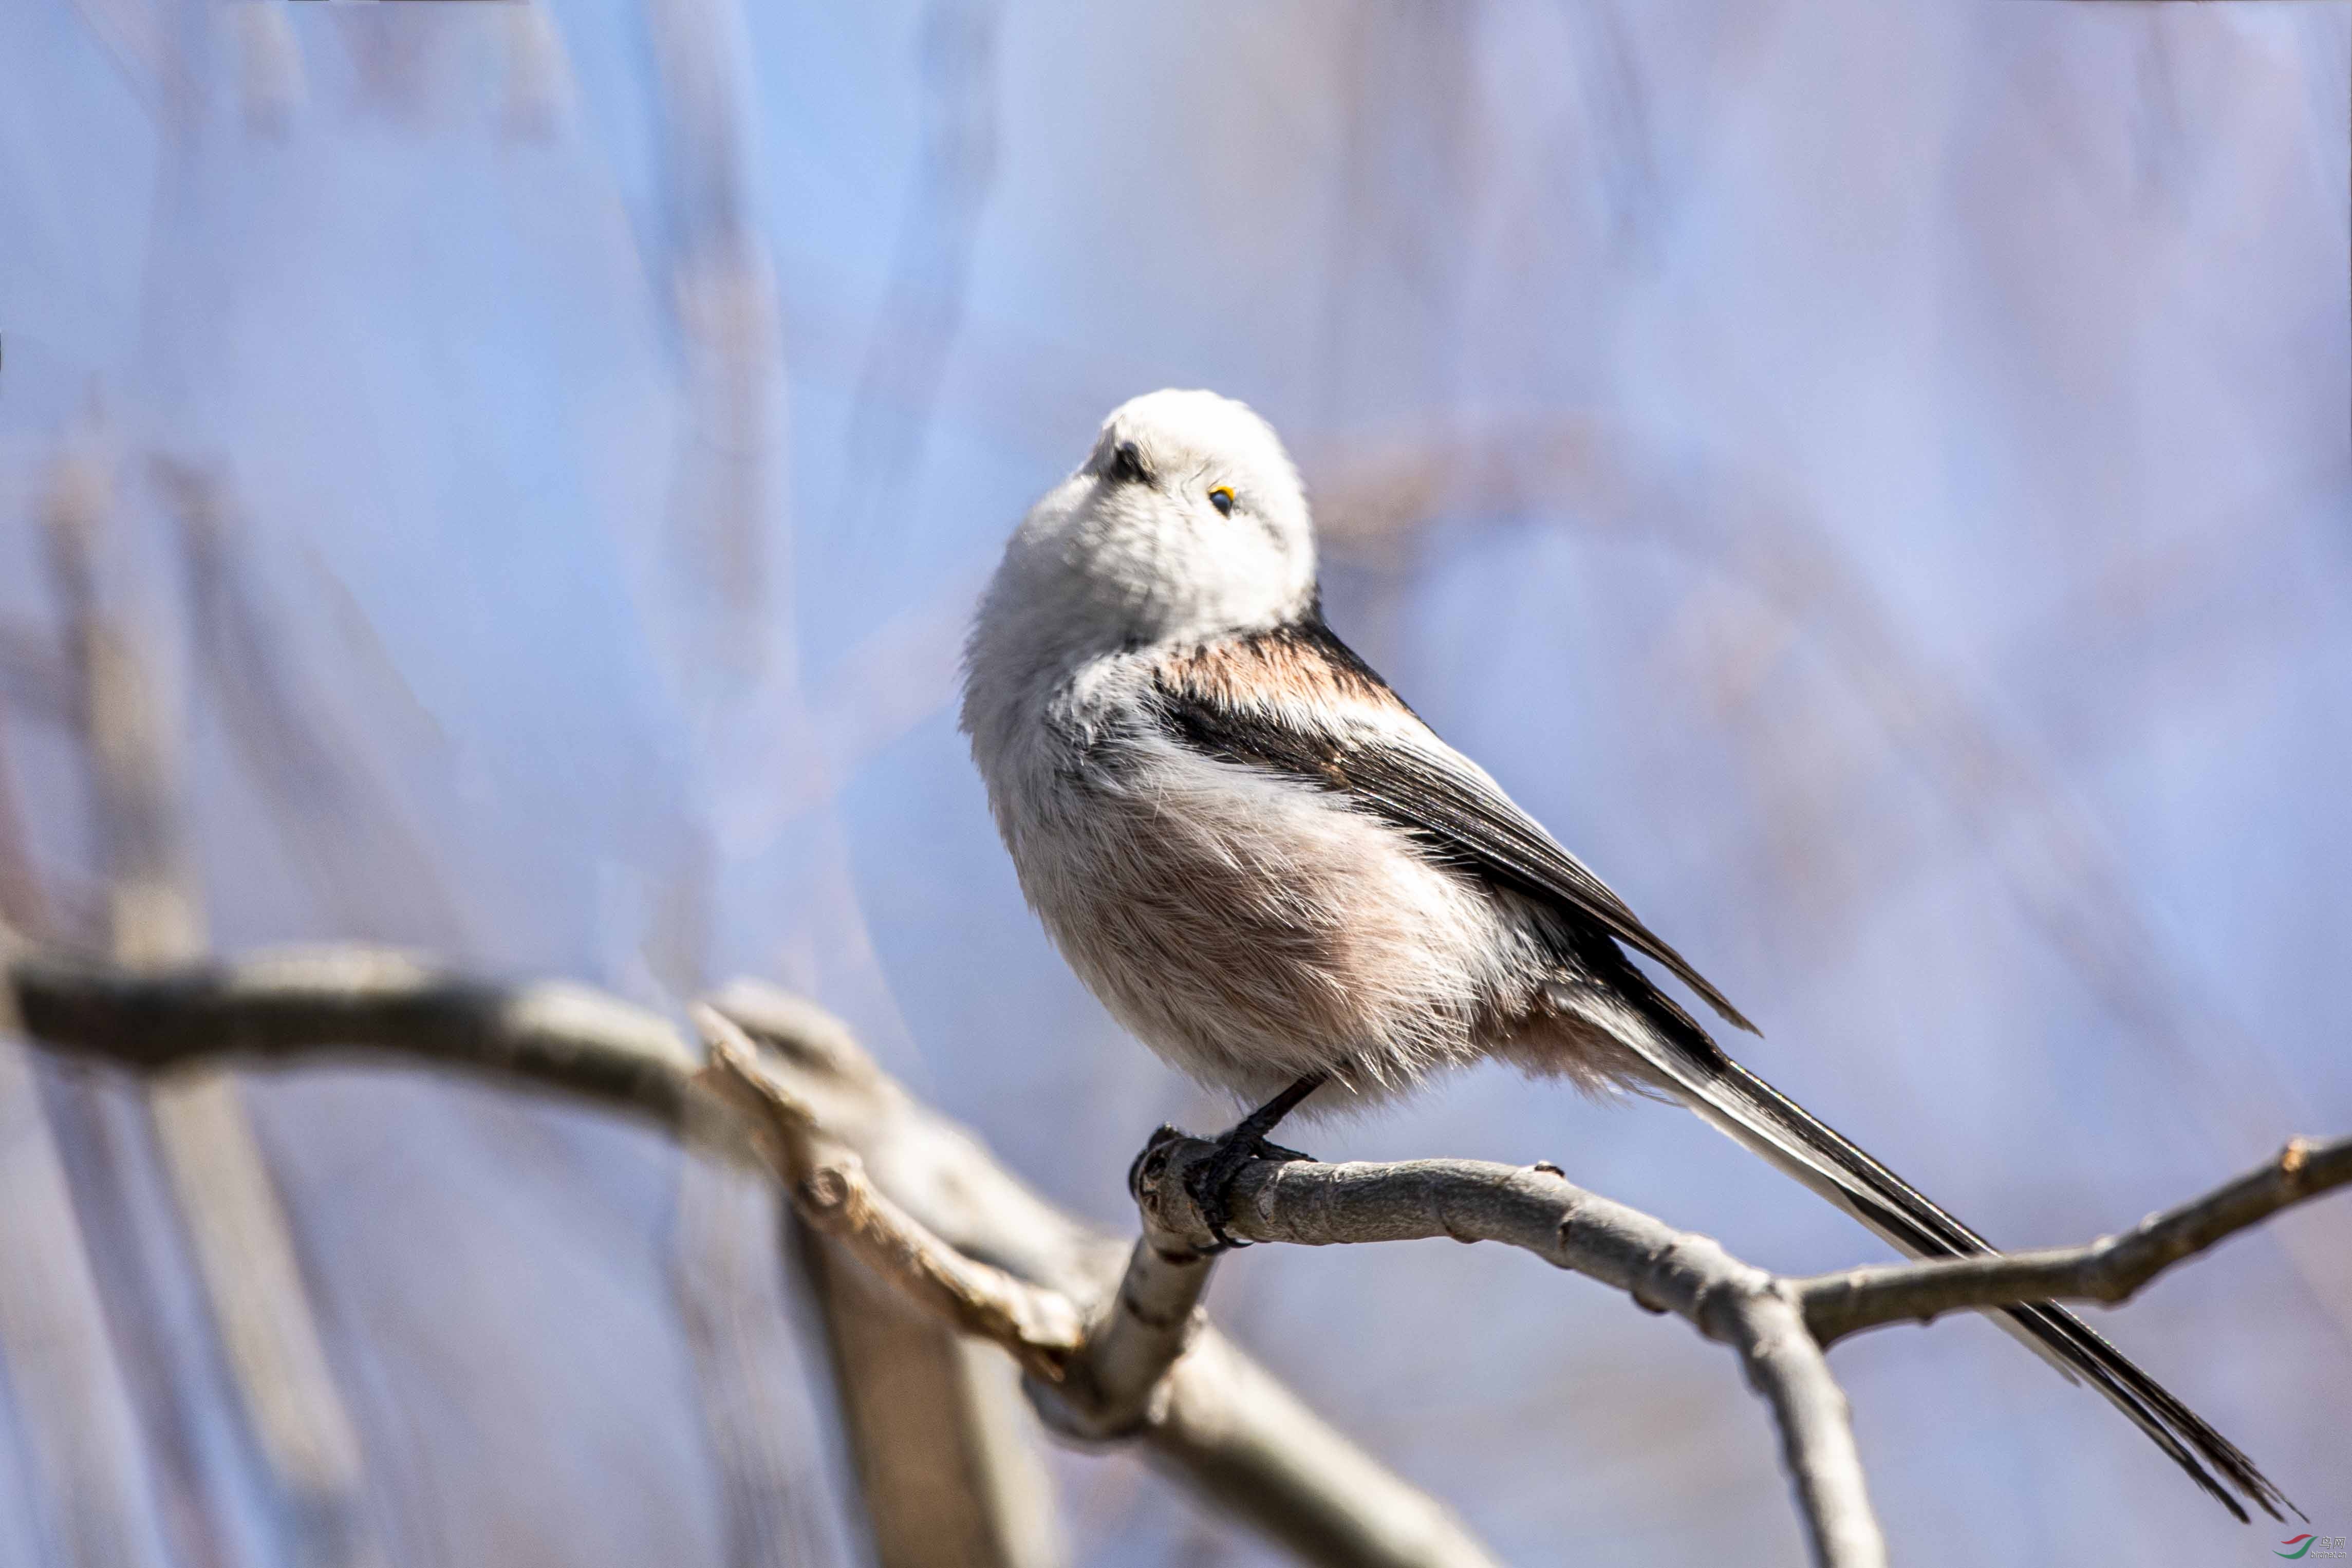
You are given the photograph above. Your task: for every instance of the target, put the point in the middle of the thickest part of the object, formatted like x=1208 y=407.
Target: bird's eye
x=1222 y=499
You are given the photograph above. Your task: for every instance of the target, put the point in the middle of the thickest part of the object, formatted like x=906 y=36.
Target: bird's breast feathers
x=1243 y=918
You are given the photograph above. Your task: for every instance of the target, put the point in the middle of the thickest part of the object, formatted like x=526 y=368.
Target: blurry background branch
x=898 y=382
x=236 y=1226
x=34 y=678
x=943 y=1458
x=88 y=1453
x=372 y=875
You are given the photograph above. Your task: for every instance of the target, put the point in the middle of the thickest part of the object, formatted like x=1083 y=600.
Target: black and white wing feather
x=1297 y=701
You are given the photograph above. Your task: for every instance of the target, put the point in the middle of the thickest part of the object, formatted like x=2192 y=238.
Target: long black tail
x=1758 y=1115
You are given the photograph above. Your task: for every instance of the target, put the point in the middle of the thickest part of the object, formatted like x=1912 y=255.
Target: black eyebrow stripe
x=1127 y=465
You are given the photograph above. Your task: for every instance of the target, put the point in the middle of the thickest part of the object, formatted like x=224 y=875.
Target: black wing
x=1228 y=701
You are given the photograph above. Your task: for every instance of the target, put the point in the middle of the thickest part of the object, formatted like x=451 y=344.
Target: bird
x=1278 y=877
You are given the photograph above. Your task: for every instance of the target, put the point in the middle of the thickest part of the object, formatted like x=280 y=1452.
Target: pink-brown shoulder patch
x=1301 y=663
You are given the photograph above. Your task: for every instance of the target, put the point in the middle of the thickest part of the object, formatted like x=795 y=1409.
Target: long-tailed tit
x=1274 y=873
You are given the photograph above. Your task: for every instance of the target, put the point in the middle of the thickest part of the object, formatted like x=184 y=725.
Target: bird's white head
x=1186 y=521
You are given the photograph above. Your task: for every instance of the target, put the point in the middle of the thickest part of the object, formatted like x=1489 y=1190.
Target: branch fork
x=1042 y=1329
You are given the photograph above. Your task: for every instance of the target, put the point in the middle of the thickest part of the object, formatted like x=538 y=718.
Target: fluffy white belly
x=1252 y=930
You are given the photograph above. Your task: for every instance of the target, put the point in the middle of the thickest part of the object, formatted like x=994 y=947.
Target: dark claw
x=1211 y=1181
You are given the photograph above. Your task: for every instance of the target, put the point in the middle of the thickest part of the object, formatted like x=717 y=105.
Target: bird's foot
x=1210 y=1183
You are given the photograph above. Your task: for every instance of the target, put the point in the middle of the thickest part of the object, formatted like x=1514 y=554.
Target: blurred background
x=1872 y=478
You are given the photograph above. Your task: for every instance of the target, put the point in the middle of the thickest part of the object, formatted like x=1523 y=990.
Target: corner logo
x=2309 y=1545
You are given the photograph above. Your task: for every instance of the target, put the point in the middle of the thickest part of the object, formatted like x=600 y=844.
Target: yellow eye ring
x=1221 y=499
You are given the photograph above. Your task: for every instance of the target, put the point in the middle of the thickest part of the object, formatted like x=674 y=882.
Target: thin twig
x=2109 y=1270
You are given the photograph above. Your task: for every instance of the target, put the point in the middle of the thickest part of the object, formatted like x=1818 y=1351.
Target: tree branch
x=345 y=1000
x=1536 y=1208
x=923 y=1201
x=1215 y=1421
